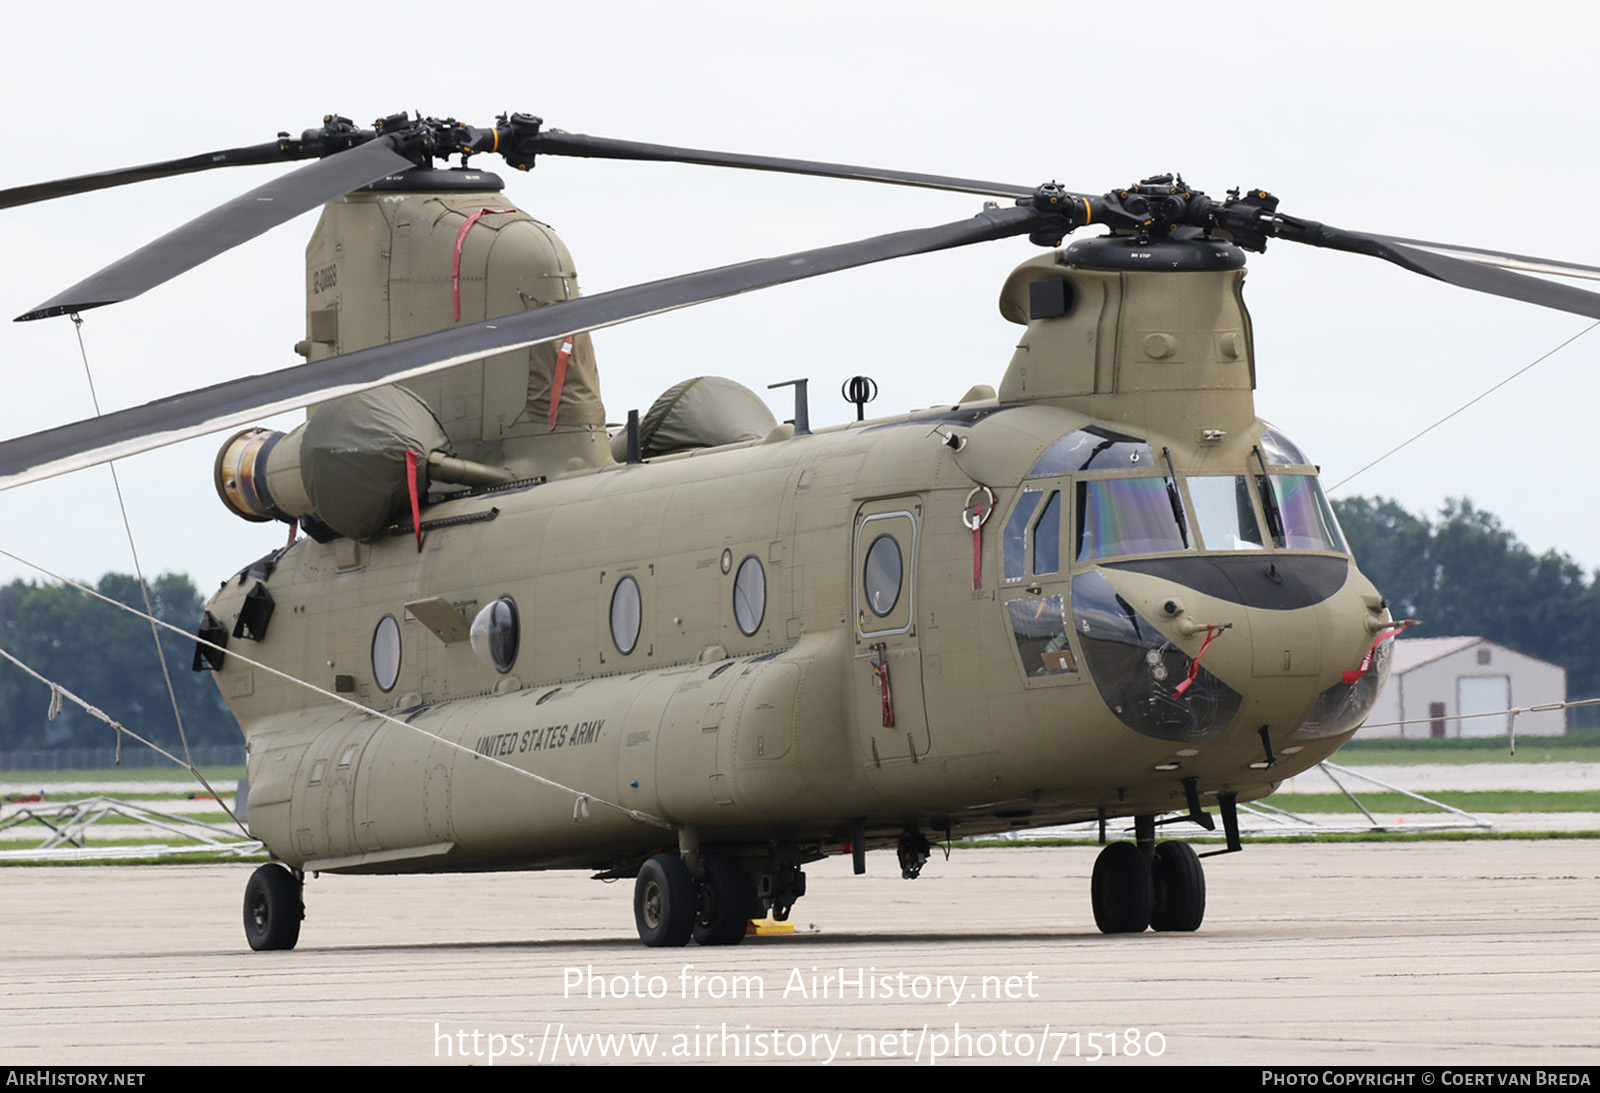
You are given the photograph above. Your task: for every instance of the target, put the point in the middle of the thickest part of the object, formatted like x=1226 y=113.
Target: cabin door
x=886 y=675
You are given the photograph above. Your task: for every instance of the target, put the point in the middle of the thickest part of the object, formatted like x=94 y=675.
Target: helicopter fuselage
x=774 y=675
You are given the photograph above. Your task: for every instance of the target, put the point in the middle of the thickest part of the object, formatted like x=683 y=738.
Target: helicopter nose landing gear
x=273 y=908
x=1122 y=890
x=1180 y=888
x=1130 y=892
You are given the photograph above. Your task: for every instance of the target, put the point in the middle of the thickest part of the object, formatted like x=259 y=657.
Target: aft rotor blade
x=275 y=152
x=226 y=226
x=237 y=402
x=554 y=142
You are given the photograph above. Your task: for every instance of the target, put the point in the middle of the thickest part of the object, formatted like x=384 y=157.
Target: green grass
x=47 y=778
x=129 y=821
x=199 y=856
x=1329 y=837
x=1578 y=748
x=1467 y=800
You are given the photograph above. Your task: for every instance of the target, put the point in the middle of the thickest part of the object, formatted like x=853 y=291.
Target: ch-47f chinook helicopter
x=714 y=648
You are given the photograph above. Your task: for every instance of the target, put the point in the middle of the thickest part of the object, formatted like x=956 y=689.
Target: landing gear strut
x=913 y=852
x=1164 y=891
x=273 y=908
x=788 y=883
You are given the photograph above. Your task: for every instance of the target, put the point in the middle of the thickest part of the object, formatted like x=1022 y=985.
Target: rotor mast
x=1146 y=326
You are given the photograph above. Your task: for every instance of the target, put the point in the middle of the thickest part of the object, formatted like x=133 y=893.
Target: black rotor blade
x=275 y=152
x=1459 y=272
x=228 y=225
x=554 y=142
x=238 y=402
x=1527 y=263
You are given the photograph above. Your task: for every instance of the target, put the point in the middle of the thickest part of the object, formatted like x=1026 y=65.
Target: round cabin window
x=497 y=634
x=626 y=612
x=881 y=577
x=386 y=653
x=750 y=596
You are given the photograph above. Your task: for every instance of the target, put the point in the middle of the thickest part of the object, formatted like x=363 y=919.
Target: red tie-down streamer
x=1353 y=674
x=980 y=503
x=880 y=668
x=560 y=378
x=455 y=265
x=1212 y=634
x=412 y=460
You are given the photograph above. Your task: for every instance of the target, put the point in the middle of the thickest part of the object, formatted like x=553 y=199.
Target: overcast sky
x=1464 y=122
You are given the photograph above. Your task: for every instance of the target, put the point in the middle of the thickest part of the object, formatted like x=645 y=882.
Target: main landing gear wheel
x=1180 y=888
x=1122 y=890
x=724 y=902
x=273 y=908
x=663 y=902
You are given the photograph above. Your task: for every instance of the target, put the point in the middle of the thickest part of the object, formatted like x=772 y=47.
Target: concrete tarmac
x=1450 y=954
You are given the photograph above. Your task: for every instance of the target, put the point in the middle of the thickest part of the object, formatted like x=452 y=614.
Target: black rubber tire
x=1180 y=888
x=1122 y=890
x=724 y=902
x=663 y=902
x=273 y=909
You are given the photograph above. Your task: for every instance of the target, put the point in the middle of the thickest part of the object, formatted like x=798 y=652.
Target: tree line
x=1467 y=574
x=106 y=657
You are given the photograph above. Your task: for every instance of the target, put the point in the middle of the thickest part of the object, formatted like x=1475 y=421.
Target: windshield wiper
x=1175 y=500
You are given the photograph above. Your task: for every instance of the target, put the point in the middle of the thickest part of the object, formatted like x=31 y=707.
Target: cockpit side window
x=1279 y=450
x=1047 y=537
x=1016 y=534
x=1040 y=629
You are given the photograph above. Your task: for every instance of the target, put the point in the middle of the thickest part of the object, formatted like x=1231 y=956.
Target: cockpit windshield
x=1225 y=513
x=1128 y=516
x=1304 y=519
x=1298 y=514
x=1273 y=504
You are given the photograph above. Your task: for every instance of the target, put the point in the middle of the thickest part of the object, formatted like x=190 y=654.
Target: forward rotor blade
x=226 y=226
x=554 y=142
x=1525 y=263
x=1456 y=271
x=104 y=180
x=238 y=402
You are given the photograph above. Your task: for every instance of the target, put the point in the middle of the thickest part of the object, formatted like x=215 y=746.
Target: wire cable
x=1464 y=406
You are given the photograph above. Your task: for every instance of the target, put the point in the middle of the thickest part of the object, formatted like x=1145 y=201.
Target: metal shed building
x=1445 y=686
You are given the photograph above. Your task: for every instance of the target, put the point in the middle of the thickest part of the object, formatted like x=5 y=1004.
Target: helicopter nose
x=1181 y=647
